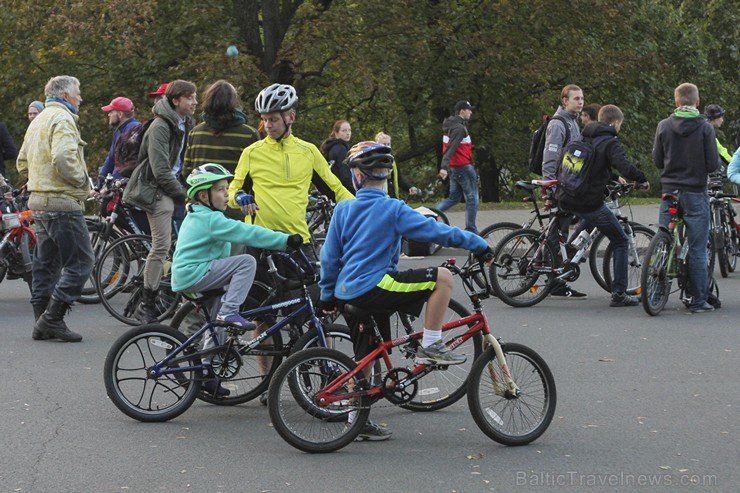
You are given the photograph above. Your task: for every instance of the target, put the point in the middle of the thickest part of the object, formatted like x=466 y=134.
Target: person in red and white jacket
x=457 y=164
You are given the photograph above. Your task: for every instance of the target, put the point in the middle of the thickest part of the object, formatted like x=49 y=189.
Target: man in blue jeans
x=457 y=164
x=589 y=204
x=51 y=159
x=685 y=152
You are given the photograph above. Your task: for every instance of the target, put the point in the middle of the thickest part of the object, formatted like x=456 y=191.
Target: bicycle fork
x=508 y=387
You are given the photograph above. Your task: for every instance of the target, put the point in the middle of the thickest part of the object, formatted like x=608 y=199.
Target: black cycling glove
x=485 y=256
x=295 y=241
x=327 y=306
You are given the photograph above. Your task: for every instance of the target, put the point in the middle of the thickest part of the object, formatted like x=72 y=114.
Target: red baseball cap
x=160 y=91
x=119 y=104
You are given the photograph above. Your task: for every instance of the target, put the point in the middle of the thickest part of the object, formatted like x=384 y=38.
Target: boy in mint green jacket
x=202 y=262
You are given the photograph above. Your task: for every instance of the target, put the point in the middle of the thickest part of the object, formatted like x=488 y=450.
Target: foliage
x=392 y=66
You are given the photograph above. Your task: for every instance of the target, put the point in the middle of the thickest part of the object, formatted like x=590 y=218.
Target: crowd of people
x=232 y=189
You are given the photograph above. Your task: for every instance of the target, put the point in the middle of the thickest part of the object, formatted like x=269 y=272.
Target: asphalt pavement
x=643 y=404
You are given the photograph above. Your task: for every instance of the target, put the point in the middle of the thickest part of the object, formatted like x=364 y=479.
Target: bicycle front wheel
x=506 y=418
x=316 y=428
x=655 y=281
x=635 y=258
x=493 y=234
x=134 y=390
x=522 y=270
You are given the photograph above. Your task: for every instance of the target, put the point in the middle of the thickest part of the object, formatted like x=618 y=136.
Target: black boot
x=38 y=309
x=147 y=312
x=51 y=323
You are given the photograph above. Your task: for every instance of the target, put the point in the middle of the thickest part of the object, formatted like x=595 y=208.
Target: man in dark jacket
x=457 y=163
x=685 y=152
x=590 y=207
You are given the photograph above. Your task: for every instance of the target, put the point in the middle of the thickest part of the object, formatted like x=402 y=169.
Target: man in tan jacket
x=52 y=161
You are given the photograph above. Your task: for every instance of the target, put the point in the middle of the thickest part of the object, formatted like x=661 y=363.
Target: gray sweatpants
x=236 y=274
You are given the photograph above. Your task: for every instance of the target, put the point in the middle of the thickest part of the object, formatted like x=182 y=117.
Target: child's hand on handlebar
x=327 y=307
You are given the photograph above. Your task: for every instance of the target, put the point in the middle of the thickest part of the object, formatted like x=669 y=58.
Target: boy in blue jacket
x=202 y=262
x=359 y=261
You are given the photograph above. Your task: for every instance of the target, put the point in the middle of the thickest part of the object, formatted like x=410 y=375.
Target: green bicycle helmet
x=204 y=176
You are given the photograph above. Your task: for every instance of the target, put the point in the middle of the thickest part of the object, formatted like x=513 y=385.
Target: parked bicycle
x=667 y=259
x=725 y=231
x=511 y=391
x=113 y=221
x=154 y=373
x=525 y=267
x=18 y=241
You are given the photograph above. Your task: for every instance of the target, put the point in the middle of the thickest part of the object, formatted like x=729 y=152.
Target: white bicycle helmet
x=277 y=97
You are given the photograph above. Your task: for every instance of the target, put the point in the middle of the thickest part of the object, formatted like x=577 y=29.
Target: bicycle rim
x=306 y=427
x=509 y=419
x=635 y=258
x=655 y=283
x=517 y=274
x=130 y=386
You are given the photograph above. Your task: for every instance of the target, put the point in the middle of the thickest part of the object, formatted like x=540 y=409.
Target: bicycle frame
x=329 y=395
x=305 y=306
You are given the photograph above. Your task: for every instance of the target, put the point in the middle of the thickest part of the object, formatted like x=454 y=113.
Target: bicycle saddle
x=525 y=185
x=202 y=296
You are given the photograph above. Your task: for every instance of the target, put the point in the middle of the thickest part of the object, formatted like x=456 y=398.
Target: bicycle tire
x=512 y=277
x=596 y=254
x=501 y=416
x=120 y=272
x=635 y=259
x=442 y=388
x=493 y=234
x=253 y=374
x=305 y=427
x=99 y=243
x=130 y=386
x=655 y=283
x=337 y=333
x=733 y=245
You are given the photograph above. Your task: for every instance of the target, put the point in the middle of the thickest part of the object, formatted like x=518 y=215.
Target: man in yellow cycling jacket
x=278 y=170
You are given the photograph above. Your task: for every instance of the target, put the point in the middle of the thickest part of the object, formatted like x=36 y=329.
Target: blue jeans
x=63 y=258
x=695 y=206
x=463 y=182
x=605 y=220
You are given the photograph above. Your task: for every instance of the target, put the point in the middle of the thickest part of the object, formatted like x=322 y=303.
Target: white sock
x=430 y=337
x=352 y=416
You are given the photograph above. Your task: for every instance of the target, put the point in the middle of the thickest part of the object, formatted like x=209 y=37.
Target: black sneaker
x=565 y=291
x=704 y=307
x=373 y=433
x=215 y=388
x=623 y=299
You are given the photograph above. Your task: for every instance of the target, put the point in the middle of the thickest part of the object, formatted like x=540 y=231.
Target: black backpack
x=537 y=148
x=126 y=151
x=574 y=169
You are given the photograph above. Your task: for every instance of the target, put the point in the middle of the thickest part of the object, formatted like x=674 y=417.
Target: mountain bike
x=119 y=279
x=511 y=391
x=724 y=230
x=525 y=267
x=667 y=259
x=154 y=373
x=113 y=221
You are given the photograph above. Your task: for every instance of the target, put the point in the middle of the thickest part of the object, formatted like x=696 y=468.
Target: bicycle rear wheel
x=635 y=258
x=655 y=282
x=131 y=387
x=504 y=417
x=493 y=234
x=119 y=280
x=596 y=254
x=522 y=270
x=445 y=386
x=307 y=427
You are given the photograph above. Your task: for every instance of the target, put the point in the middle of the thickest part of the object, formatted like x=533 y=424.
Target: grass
x=513 y=205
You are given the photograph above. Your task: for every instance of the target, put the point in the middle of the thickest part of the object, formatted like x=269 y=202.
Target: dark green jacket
x=160 y=147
